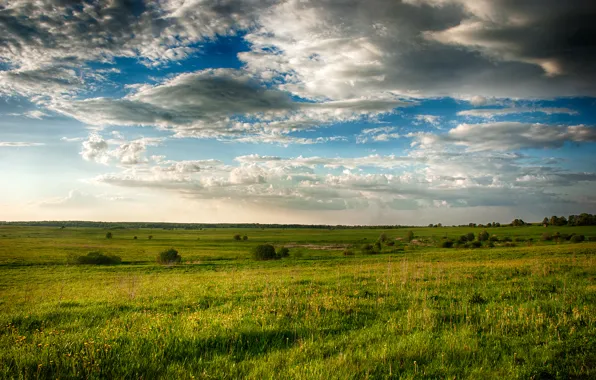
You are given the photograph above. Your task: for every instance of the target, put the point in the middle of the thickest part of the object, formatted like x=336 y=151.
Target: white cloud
x=492 y=112
x=506 y=136
x=19 y=144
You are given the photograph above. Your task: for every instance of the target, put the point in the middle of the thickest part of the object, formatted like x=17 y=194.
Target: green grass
x=413 y=311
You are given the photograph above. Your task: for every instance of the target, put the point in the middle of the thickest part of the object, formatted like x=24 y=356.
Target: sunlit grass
x=521 y=312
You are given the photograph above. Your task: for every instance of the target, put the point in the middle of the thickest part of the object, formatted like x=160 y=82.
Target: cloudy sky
x=328 y=111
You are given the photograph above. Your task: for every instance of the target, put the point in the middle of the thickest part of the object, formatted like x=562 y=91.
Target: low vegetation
x=169 y=257
x=328 y=310
x=94 y=258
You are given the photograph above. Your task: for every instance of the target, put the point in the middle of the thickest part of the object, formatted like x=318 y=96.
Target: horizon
x=356 y=113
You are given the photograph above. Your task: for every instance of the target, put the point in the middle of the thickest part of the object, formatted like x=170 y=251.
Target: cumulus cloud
x=503 y=136
x=97 y=149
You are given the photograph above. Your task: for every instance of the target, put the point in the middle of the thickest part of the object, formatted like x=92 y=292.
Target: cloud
x=492 y=112
x=19 y=144
x=464 y=49
x=377 y=134
x=506 y=136
x=80 y=199
x=224 y=104
x=433 y=120
x=96 y=148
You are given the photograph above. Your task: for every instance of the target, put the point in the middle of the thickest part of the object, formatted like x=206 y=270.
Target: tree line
x=582 y=219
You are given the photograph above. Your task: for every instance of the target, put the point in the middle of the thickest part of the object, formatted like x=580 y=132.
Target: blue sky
x=352 y=112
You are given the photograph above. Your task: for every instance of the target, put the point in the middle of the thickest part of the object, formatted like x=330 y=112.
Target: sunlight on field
x=411 y=311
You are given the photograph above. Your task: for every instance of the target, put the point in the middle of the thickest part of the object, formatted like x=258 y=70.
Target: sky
x=317 y=112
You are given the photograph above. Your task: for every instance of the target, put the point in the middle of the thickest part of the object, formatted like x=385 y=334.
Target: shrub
x=463 y=239
x=169 y=256
x=95 y=258
x=447 y=244
x=494 y=238
x=592 y=238
x=578 y=238
x=410 y=236
x=507 y=239
x=108 y=235
x=245 y=238
x=390 y=243
x=490 y=244
x=383 y=237
x=264 y=252
x=378 y=246
x=367 y=249
x=237 y=237
x=520 y=239
x=150 y=237
x=483 y=236
x=470 y=236
x=476 y=244
x=135 y=238
x=547 y=236
x=284 y=252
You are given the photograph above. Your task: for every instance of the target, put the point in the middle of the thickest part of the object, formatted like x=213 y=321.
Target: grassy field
x=525 y=310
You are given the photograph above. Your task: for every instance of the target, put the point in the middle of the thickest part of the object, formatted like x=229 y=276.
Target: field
x=523 y=309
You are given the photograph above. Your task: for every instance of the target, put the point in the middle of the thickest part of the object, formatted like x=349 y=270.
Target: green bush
x=470 y=236
x=283 y=252
x=547 y=236
x=169 y=257
x=108 y=235
x=410 y=236
x=264 y=252
x=447 y=244
x=245 y=238
x=95 y=258
x=367 y=249
x=476 y=244
x=483 y=236
x=592 y=238
x=462 y=239
x=507 y=239
x=237 y=237
x=390 y=243
x=494 y=239
x=577 y=238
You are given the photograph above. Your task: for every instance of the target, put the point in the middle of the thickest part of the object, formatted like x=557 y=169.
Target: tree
x=264 y=252
x=410 y=236
x=108 y=235
x=470 y=236
x=169 y=256
x=545 y=222
x=383 y=237
x=483 y=236
x=150 y=237
x=284 y=252
x=237 y=237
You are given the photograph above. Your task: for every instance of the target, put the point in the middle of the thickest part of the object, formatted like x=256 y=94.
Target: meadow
x=525 y=308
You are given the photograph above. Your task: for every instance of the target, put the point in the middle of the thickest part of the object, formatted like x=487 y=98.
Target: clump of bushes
x=95 y=258
x=237 y=237
x=264 y=252
x=169 y=257
x=368 y=249
x=592 y=238
x=470 y=236
x=476 y=244
x=547 y=236
x=108 y=235
x=447 y=243
x=577 y=238
x=245 y=238
x=283 y=252
x=483 y=236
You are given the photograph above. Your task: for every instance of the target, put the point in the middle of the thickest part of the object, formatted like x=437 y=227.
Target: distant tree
x=237 y=237
x=439 y=225
x=410 y=236
x=108 y=235
x=135 y=238
x=169 y=256
x=518 y=223
x=483 y=236
x=545 y=222
x=245 y=238
x=431 y=225
x=150 y=237
x=497 y=224
x=383 y=237
x=264 y=252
